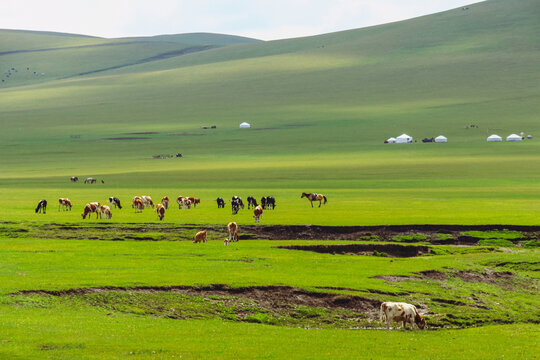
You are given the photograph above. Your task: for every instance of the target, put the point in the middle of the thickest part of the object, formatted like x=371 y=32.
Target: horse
x=314 y=197
x=220 y=202
x=115 y=202
x=252 y=202
x=42 y=206
x=90 y=180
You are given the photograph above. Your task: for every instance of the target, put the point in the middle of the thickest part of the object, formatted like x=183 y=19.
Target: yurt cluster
x=404 y=139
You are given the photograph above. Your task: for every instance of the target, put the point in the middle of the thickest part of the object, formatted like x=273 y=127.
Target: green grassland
x=320 y=108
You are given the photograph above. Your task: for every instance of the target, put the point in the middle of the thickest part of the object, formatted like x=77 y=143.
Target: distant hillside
x=30 y=57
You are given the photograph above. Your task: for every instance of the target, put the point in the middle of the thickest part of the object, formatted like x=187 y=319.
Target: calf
x=232 y=227
x=89 y=209
x=42 y=206
x=257 y=213
x=106 y=211
x=165 y=202
x=403 y=312
x=160 y=210
x=64 y=203
x=200 y=237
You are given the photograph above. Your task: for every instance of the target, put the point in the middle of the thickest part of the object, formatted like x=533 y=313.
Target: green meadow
x=119 y=110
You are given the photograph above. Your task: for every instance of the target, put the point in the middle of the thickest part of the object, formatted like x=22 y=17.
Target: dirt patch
x=488 y=277
x=127 y=138
x=433 y=275
x=391 y=250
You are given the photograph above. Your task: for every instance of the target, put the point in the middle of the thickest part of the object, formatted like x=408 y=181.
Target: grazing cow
x=180 y=201
x=74 y=179
x=270 y=202
x=186 y=203
x=263 y=202
x=200 y=237
x=252 y=202
x=115 y=202
x=90 y=180
x=406 y=313
x=64 y=203
x=147 y=200
x=257 y=213
x=89 y=209
x=160 y=210
x=239 y=200
x=41 y=206
x=220 y=202
x=233 y=233
x=235 y=206
x=165 y=202
x=194 y=201
x=314 y=197
x=138 y=204
x=105 y=210
x=136 y=198
x=428 y=140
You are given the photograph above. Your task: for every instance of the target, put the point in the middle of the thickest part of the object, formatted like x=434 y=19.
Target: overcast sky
x=261 y=19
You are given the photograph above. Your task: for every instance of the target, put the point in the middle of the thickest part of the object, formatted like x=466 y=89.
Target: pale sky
x=261 y=19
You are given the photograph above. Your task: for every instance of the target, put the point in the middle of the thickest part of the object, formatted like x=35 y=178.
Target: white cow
x=398 y=311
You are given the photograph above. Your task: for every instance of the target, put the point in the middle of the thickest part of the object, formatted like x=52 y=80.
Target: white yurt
x=441 y=138
x=514 y=137
x=391 y=140
x=403 y=138
x=245 y=125
x=493 y=138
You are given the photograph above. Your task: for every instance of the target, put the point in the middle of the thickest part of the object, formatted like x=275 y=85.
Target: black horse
x=268 y=202
x=42 y=206
x=220 y=202
x=252 y=202
x=115 y=202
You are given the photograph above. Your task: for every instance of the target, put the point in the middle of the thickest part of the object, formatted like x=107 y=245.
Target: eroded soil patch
x=390 y=250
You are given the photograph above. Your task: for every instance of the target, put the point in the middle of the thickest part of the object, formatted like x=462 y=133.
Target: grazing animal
x=257 y=213
x=160 y=210
x=64 y=203
x=252 y=202
x=194 y=201
x=200 y=237
x=41 y=206
x=165 y=202
x=74 y=179
x=180 y=201
x=220 y=202
x=314 y=197
x=269 y=202
x=398 y=311
x=232 y=227
x=235 y=206
x=186 y=203
x=135 y=199
x=105 y=210
x=138 y=204
x=428 y=140
x=147 y=200
x=115 y=202
x=90 y=180
x=89 y=209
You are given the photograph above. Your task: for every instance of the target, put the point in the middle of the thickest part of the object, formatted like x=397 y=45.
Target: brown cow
x=194 y=201
x=165 y=202
x=160 y=210
x=233 y=233
x=397 y=311
x=64 y=203
x=257 y=212
x=138 y=204
x=180 y=201
x=89 y=209
x=200 y=237
x=105 y=210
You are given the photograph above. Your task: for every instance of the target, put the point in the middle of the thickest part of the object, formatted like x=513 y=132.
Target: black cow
x=115 y=202
x=220 y=202
x=42 y=206
x=239 y=200
x=252 y=202
x=74 y=179
x=426 y=140
x=235 y=206
x=268 y=202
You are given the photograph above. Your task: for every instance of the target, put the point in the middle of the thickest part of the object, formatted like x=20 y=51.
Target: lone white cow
x=398 y=311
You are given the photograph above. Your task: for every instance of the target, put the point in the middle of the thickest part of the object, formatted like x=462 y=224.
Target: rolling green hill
x=320 y=108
